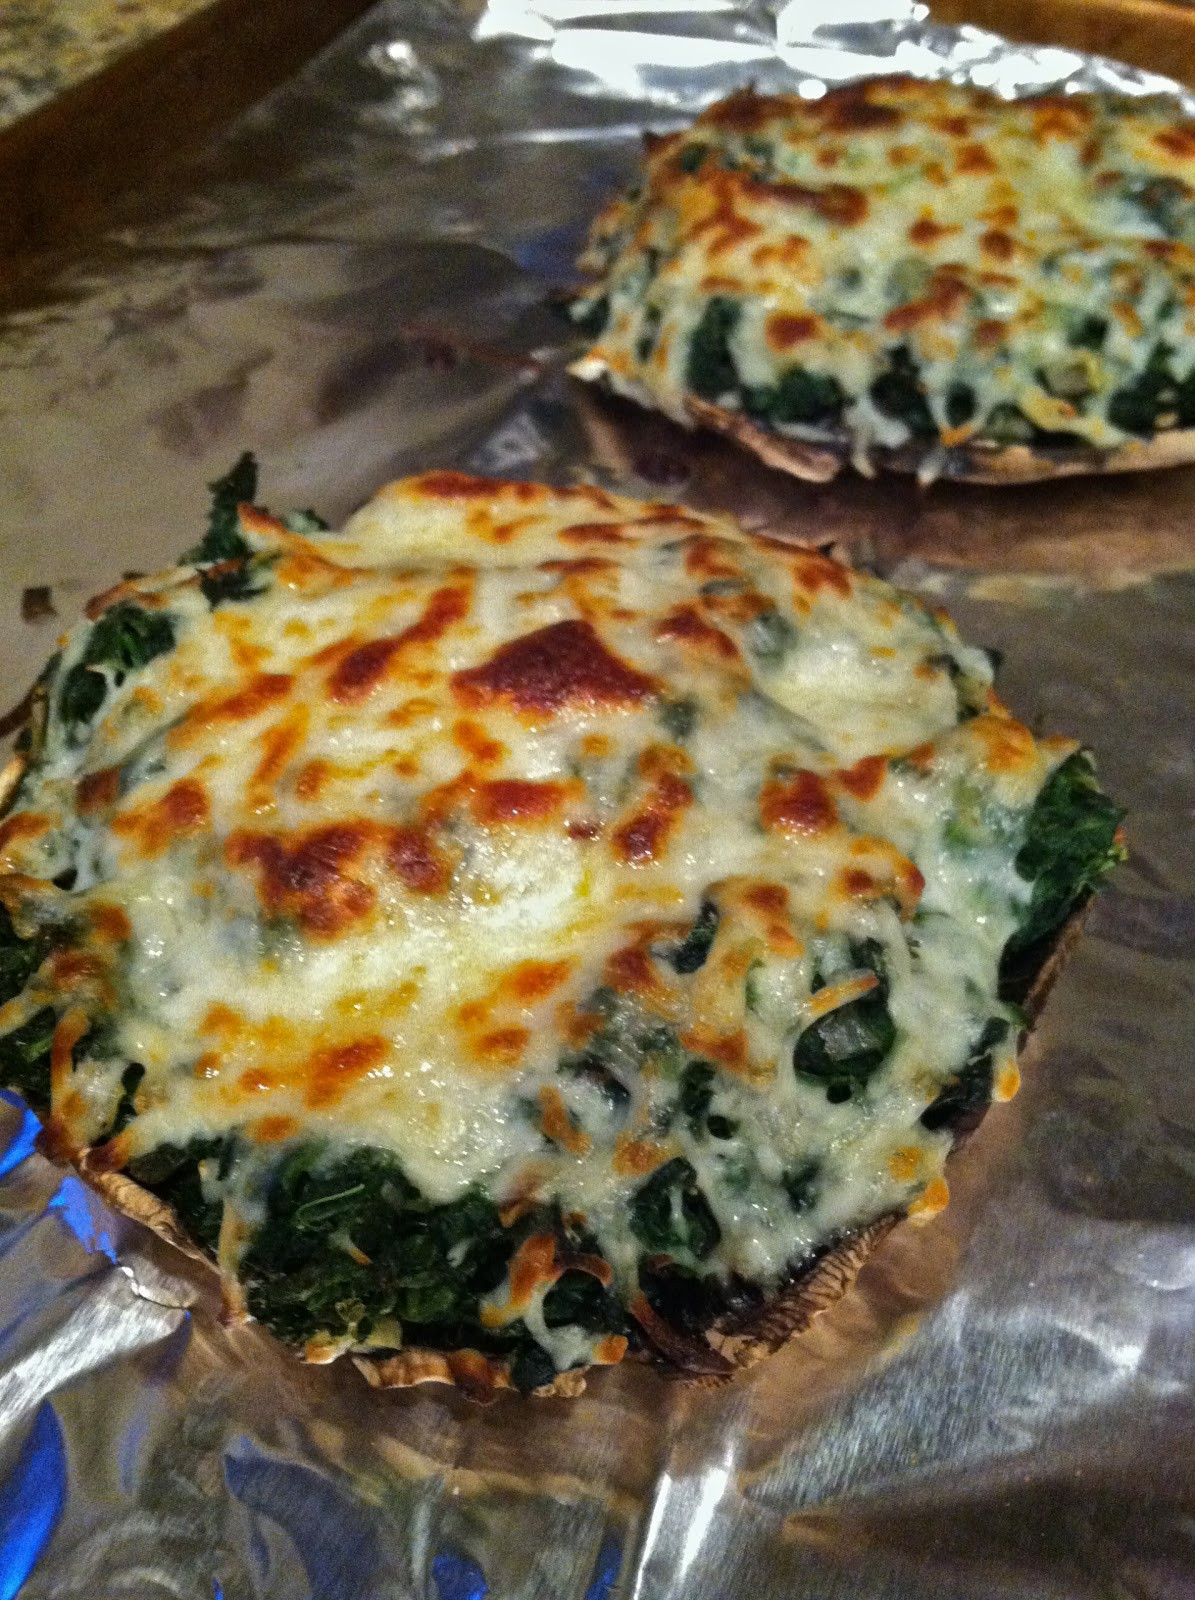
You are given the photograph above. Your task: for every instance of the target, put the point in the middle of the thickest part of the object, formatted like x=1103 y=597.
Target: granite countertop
x=47 y=46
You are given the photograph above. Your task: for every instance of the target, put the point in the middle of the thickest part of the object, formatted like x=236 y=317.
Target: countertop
x=47 y=46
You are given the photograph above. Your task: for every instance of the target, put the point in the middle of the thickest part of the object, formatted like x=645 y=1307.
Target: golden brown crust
x=728 y=1349
x=732 y=1347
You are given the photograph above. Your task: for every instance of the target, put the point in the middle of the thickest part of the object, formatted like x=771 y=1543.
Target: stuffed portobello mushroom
x=528 y=928
x=914 y=275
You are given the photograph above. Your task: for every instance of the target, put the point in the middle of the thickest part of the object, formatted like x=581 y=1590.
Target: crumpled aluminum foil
x=355 y=283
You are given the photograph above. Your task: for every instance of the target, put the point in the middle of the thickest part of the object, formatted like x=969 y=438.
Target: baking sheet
x=355 y=284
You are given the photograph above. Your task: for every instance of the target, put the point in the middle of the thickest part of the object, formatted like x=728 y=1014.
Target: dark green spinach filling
x=844 y=1048
x=223 y=540
x=1072 y=839
x=964 y=1100
x=899 y=393
x=124 y=639
x=710 y=370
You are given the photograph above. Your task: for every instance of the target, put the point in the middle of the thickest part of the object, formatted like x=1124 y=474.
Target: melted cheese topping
x=955 y=267
x=390 y=853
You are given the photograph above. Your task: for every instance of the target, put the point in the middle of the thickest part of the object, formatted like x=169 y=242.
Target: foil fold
x=359 y=281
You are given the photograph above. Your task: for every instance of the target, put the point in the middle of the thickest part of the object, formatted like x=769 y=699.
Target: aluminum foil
x=358 y=282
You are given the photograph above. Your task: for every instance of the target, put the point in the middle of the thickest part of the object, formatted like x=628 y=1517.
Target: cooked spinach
x=1135 y=408
x=172 y=1172
x=19 y=958
x=1166 y=202
x=25 y=1058
x=679 y=718
x=1184 y=401
x=671 y=1216
x=591 y=316
x=232 y=580
x=690 y=156
x=710 y=370
x=577 y=1299
x=591 y=1069
x=960 y=404
x=843 y=1048
x=624 y=1041
x=800 y=396
x=649 y=332
x=899 y=393
x=690 y=954
x=223 y=541
x=1070 y=843
x=969 y=1093
x=1008 y=424
x=126 y=1110
x=801 y=1185
x=305 y=522
x=1087 y=331
x=531 y=1367
x=426 y=1264
x=696 y=1094
x=124 y=639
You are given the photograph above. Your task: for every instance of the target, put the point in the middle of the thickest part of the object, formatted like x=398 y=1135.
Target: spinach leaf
x=1166 y=202
x=670 y=1215
x=124 y=639
x=19 y=958
x=1087 y=332
x=1184 y=401
x=223 y=541
x=710 y=370
x=230 y=580
x=899 y=393
x=1135 y=408
x=81 y=697
x=696 y=1095
x=801 y=1185
x=679 y=718
x=843 y=1048
x=690 y=954
x=305 y=522
x=425 y=1264
x=1070 y=843
x=649 y=332
x=126 y=1110
x=627 y=1039
x=591 y=1069
x=25 y=1058
x=800 y=396
x=578 y=1300
x=531 y=1368
x=960 y=404
x=1008 y=424
x=969 y=1093
x=591 y=316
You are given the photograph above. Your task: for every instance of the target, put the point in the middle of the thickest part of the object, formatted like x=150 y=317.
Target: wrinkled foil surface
x=358 y=282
